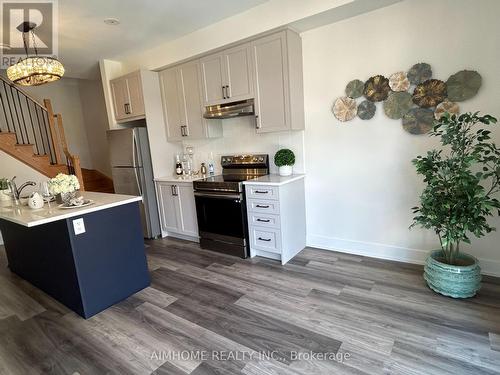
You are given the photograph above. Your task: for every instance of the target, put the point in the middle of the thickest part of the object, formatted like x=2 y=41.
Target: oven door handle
x=221 y=196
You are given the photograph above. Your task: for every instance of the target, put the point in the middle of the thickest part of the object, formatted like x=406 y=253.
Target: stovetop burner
x=235 y=170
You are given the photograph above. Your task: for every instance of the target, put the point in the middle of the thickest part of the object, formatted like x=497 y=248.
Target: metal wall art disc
x=418 y=120
x=430 y=93
x=419 y=73
x=377 y=88
x=397 y=104
x=399 y=82
x=463 y=85
x=345 y=108
x=354 y=89
x=366 y=110
x=446 y=107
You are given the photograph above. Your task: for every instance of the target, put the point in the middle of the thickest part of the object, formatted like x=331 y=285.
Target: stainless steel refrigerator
x=133 y=173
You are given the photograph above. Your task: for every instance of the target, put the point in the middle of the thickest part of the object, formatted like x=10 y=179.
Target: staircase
x=96 y=181
x=33 y=134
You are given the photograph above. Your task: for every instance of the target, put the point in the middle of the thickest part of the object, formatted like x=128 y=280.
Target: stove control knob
x=255 y=159
x=261 y=159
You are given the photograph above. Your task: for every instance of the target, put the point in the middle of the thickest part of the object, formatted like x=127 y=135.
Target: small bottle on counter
x=178 y=165
x=203 y=169
x=211 y=170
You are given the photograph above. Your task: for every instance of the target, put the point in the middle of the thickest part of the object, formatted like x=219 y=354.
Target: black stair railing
x=26 y=118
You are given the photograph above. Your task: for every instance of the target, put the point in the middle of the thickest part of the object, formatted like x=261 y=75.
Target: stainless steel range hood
x=229 y=110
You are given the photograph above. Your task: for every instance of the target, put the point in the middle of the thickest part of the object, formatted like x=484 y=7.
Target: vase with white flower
x=64 y=187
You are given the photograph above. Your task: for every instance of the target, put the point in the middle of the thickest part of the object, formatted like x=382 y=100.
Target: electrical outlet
x=79 y=226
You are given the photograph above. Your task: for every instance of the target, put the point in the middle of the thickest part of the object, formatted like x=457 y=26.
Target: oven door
x=222 y=222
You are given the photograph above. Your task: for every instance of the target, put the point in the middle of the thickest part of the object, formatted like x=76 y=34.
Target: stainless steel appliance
x=229 y=110
x=133 y=173
x=220 y=204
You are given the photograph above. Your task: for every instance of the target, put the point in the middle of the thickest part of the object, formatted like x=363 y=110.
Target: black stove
x=235 y=170
x=220 y=204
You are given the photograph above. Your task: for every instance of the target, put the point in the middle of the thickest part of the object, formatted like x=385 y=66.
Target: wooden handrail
x=59 y=138
x=53 y=133
x=74 y=163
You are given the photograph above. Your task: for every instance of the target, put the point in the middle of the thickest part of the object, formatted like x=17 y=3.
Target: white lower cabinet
x=177 y=209
x=276 y=219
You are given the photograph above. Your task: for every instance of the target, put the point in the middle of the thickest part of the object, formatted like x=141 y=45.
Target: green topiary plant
x=3 y=184
x=284 y=157
x=461 y=182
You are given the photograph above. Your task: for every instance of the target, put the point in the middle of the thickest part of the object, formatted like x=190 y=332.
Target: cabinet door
x=136 y=99
x=171 y=95
x=212 y=73
x=271 y=83
x=191 y=106
x=120 y=97
x=188 y=223
x=168 y=210
x=238 y=72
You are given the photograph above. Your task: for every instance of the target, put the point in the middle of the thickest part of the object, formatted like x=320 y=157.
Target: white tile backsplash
x=240 y=138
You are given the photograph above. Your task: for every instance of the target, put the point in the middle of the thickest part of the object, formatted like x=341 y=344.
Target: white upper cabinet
x=212 y=73
x=227 y=76
x=279 y=98
x=182 y=104
x=128 y=99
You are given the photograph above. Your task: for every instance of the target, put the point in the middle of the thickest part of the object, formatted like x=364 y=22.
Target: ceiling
x=84 y=38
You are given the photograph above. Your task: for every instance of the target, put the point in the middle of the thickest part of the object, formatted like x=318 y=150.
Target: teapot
x=35 y=201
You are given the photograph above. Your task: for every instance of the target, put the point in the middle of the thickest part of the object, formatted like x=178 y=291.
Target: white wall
x=240 y=138
x=65 y=97
x=360 y=182
x=96 y=123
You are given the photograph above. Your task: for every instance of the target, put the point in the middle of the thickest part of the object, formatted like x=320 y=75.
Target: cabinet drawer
x=262 y=192
x=264 y=220
x=262 y=206
x=265 y=239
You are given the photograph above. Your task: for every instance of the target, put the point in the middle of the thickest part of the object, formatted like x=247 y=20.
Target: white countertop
x=274 y=179
x=24 y=215
x=179 y=179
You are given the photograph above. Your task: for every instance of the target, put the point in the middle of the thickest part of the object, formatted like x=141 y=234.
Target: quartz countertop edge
x=23 y=215
x=179 y=179
x=274 y=180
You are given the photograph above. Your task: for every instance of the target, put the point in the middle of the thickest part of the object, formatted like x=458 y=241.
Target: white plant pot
x=285 y=170
x=5 y=195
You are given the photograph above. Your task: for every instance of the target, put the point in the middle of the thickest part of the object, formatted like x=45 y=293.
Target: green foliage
x=3 y=184
x=461 y=179
x=284 y=157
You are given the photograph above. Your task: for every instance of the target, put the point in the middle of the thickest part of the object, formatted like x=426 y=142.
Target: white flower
x=63 y=183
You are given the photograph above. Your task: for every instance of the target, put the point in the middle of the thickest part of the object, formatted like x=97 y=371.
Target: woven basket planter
x=450 y=280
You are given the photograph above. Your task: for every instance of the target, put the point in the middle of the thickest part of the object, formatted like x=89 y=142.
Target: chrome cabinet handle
x=263 y=221
x=257 y=122
x=264 y=239
x=223 y=92
x=260 y=206
x=127 y=108
x=228 y=95
x=174 y=190
x=261 y=192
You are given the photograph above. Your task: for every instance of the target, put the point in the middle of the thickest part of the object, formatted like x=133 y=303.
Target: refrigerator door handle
x=134 y=156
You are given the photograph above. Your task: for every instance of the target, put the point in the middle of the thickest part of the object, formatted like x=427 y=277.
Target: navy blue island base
x=88 y=272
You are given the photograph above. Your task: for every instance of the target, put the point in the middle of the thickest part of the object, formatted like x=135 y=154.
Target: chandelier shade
x=35 y=70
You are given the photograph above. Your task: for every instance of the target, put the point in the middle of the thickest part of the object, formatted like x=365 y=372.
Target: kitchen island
x=87 y=258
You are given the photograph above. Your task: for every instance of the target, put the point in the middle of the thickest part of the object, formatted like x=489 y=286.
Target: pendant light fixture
x=34 y=70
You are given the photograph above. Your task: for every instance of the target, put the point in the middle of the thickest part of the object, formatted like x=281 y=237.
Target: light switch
x=79 y=226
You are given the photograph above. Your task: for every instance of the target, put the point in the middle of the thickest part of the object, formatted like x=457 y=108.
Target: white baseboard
x=376 y=250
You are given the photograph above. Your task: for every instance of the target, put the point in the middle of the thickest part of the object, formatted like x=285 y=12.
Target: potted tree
x=4 y=190
x=462 y=180
x=284 y=160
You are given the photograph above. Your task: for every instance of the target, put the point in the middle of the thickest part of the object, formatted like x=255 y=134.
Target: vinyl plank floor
x=210 y=313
